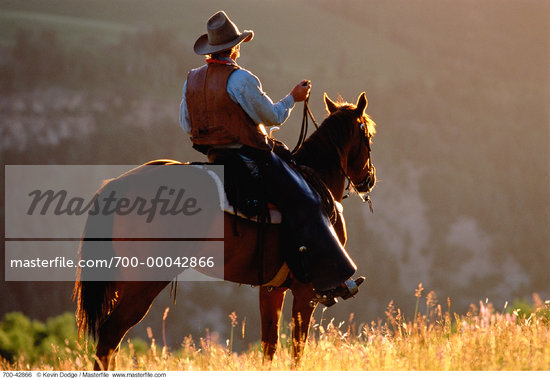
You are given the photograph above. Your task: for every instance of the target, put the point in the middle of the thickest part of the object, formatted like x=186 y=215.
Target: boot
x=325 y=261
x=345 y=291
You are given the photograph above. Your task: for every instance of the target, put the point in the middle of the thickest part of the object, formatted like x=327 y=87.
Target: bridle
x=351 y=187
x=363 y=187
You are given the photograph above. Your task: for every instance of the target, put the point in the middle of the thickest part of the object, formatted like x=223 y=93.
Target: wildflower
x=431 y=299
x=233 y=317
x=419 y=290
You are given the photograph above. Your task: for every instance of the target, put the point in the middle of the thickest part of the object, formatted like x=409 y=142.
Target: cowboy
x=224 y=109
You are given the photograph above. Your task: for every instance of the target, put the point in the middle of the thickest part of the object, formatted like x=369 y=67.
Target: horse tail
x=97 y=298
x=94 y=299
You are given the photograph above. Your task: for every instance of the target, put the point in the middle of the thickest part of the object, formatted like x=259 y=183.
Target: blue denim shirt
x=245 y=89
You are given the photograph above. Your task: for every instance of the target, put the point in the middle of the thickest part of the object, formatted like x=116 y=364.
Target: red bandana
x=216 y=61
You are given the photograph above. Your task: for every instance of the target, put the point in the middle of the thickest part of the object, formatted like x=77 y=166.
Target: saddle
x=245 y=189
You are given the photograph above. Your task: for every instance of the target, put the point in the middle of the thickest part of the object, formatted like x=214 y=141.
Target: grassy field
x=482 y=339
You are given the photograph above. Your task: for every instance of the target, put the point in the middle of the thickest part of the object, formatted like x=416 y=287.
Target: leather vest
x=215 y=118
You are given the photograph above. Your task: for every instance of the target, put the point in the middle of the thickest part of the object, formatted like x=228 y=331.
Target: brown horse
x=338 y=151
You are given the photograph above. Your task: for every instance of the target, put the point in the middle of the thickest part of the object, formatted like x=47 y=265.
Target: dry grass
x=482 y=339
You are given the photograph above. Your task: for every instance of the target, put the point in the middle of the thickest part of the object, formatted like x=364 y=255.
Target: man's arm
x=246 y=90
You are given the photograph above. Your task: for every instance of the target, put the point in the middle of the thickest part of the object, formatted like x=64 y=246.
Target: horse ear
x=331 y=106
x=362 y=103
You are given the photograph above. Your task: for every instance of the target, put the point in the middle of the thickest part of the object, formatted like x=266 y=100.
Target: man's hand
x=301 y=91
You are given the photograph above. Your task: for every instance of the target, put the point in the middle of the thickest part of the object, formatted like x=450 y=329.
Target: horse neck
x=327 y=155
x=336 y=183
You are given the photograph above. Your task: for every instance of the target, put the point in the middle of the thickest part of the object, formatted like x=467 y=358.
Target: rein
x=305 y=125
x=351 y=187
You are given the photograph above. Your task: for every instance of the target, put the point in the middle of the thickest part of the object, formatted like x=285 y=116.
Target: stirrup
x=345 y=290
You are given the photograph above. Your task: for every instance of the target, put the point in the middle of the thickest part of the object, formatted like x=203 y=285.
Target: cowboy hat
x=222 y=35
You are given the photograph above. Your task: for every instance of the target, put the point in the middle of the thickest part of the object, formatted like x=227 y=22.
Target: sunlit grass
x=437 y=339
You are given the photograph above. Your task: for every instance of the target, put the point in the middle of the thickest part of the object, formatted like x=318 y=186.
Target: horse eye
x=362 y=126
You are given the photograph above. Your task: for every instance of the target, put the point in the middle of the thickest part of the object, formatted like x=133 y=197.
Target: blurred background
x=460 y=92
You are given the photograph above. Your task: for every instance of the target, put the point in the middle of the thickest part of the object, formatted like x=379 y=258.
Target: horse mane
x=323 y=148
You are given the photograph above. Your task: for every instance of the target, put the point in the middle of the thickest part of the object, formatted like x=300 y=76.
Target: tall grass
x=436 y=339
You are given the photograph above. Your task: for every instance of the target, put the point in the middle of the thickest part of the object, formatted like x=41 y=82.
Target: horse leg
x=301 y=317
x=271 y=305
x=136 y=300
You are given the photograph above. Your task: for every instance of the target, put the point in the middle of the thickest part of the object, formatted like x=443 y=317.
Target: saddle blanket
x=275 y=216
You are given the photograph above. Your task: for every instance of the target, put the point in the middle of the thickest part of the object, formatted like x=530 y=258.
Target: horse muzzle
x=367 y=184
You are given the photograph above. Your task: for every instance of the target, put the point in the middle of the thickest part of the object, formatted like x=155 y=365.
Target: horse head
x=356 y=153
